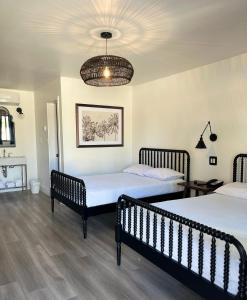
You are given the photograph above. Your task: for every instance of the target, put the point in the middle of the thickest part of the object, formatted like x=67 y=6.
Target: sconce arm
x=208 y=124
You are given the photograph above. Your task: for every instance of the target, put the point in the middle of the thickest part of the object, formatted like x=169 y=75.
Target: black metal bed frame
x=71 y=191
x=126 y=232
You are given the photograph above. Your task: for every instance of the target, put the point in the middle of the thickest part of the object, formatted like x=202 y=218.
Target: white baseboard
x=15 y=189
x=45 y=190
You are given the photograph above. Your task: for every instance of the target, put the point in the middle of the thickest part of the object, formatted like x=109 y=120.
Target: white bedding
x=225 y=213
x=106 y=188
x=221 y=212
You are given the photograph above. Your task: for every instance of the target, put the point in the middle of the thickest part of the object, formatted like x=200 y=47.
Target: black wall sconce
x=212 y=137
x=19 y=110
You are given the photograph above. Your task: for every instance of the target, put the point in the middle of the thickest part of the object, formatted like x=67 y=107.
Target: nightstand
x=198 y=188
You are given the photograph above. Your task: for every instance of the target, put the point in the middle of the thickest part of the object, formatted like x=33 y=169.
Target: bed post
x=84 y=221
x=51 y=191
x=52 y=204
x=84 y=227
x=118 y=229
x=84 y=214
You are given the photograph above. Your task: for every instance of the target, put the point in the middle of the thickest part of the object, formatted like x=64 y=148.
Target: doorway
x=52 y=133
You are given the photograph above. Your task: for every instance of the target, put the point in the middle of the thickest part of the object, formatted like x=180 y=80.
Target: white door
x=52 y=128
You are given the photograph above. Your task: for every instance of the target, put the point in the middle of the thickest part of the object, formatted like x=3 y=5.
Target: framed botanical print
x=99 y=125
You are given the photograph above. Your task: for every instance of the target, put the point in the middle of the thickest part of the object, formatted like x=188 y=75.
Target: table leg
x=186 y=192
x=22 y=182
x=26 y=177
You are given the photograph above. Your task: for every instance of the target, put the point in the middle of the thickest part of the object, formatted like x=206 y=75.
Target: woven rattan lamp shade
x=106 y=70
x=121 y=71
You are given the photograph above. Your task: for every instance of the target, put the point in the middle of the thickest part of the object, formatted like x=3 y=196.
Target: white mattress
x=221 y=212
x=106 y=188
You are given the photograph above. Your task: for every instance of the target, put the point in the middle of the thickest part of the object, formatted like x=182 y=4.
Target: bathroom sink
x=13 y=160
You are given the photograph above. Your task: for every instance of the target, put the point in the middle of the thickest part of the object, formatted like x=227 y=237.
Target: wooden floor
x=44 y=257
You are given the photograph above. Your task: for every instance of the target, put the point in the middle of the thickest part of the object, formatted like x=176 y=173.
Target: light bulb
x=107 y=72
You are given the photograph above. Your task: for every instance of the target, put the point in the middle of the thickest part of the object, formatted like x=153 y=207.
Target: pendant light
x=107 y=70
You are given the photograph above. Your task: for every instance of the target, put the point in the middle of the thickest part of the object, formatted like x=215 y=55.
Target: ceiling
x=44 y=39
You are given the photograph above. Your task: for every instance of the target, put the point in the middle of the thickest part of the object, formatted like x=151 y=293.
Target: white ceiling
x=43 y=39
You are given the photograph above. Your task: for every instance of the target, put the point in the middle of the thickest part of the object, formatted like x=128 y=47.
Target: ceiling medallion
x=106 y=70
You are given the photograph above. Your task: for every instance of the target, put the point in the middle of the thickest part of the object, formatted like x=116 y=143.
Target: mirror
x=7 y=128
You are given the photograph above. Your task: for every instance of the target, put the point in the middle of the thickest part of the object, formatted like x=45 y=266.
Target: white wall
x=169 y=113
x=172 y=112
x=24 y=134
x=79 y=161
x=48 y=93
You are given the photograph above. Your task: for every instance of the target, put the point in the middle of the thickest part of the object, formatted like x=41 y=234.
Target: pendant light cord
x=106 y=46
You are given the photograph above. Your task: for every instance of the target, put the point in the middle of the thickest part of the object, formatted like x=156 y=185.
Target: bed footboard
x=70 y=191
x=199 y=256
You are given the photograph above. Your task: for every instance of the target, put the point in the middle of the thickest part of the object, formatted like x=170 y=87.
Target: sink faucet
x=4 y=153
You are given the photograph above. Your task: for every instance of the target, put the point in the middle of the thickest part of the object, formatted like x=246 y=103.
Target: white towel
x=18 y=183
x=10 y=184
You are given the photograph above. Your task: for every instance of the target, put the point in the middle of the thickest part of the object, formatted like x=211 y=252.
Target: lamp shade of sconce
x=201 y=144
x=212 y=137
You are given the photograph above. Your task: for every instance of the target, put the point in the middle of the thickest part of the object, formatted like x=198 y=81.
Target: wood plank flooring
x=44 y=257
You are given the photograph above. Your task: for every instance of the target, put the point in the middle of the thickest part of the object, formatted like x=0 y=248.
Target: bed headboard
x=240 y=168
x=178 y=160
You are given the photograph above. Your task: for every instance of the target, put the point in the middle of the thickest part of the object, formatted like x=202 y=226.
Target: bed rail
x=72 y=192
x=132 y=214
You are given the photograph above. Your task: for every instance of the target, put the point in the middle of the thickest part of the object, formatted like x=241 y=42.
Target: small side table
x=198 y=188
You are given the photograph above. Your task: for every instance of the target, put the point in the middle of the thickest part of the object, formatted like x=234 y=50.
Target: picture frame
x=99 y=126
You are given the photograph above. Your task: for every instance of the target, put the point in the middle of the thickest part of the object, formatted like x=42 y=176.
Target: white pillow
x=164 y=174
x=235 y=189
x=137 y=169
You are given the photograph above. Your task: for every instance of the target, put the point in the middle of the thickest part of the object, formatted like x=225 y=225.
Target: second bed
x=201 y=241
